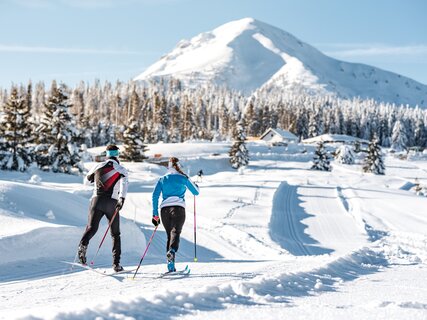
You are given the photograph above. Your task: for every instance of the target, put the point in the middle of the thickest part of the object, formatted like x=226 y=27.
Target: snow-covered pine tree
x=301 y=123
x=15 y=133
x=420 y=132
x=176 y=125
x=57 y=149
x=374 y=162
x=345 y=155
x=224 y=119
x=251 y=119
x=189 y=125
x=134 y=146
x=39 y=98
x=161 y=120
x=239 y=154
x=321 y=159
x=399 y=138
x=202 y=120
x=312 y=125
x=266 y=119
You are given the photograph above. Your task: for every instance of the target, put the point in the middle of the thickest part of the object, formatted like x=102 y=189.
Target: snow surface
x=248 y=54
x=275 y=240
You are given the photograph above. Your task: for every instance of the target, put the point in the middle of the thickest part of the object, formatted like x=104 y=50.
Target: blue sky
x=73 y=40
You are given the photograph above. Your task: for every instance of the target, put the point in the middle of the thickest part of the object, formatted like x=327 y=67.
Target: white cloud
x=348 y=50
x=56 y=50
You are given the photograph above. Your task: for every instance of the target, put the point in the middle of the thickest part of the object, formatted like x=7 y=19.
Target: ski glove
x=120 y=203
x=155 y=220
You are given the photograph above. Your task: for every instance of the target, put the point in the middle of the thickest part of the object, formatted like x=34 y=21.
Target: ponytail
x=174 y=163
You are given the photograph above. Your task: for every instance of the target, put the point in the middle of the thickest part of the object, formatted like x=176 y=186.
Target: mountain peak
x=248 y=54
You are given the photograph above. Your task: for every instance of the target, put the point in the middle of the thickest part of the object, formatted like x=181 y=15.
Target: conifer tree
x=189 y=125
x=301 y=124
x=57 y=149
x=344 y=155
x=239 y=154
x=321 y=159
x=399 y=137
x=420 y=133
x=312 y=126
x=15 y=133
x=374 y=162
x=224 y=119
x=134 y=146
x=176 y=125
x=251 y=119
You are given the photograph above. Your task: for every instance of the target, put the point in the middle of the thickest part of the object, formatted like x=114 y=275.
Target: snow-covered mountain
x=248 y=54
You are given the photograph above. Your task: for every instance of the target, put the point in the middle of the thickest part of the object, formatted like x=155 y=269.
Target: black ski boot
x=117 y=267
x=82 y=254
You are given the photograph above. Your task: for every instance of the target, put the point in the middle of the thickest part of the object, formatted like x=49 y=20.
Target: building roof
x=283 y=133
x=334 y=138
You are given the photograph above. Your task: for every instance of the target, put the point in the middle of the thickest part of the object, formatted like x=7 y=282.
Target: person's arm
x=90 y=176
x=124 y=182
x=123 y=186
x=156 y=194
x=194 y=188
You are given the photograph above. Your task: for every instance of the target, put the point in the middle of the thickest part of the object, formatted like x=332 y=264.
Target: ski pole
x=145 y=252
x=195 y=239
x=105 y=234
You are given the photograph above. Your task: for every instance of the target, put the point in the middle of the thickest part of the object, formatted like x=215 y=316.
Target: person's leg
x=110 y=208
x=178 y=219
x=94 y=218
x=166 y=221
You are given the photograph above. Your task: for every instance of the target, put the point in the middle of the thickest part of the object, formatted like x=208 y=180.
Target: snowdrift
x=38 y=222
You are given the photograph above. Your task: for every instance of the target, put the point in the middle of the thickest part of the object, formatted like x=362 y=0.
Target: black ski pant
x=100 y=206
x=173 y=219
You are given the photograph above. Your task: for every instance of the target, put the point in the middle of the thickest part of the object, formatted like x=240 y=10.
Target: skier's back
x=172 y=186
x=110 y=187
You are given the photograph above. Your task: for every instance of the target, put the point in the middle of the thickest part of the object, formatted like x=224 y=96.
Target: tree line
x=48 y=126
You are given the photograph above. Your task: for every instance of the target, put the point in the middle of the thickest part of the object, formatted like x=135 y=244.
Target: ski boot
x=117 y=267
x=170 y=256
x=82 y=254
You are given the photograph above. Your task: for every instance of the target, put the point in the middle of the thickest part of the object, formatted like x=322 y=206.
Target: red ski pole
x=105 y=234
x=145 y=252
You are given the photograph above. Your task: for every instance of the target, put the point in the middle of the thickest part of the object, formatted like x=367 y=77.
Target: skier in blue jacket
x=172 y=186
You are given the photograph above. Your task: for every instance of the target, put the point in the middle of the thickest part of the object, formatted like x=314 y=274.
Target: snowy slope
x=248 y=54
x=278 y=241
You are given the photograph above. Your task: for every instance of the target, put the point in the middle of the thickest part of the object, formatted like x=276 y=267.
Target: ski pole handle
x=145 y=252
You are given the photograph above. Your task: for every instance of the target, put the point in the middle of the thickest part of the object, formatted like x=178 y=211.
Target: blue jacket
x=172 y=186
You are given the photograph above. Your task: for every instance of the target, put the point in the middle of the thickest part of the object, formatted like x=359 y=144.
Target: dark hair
x=175 y=165
x=112 y=147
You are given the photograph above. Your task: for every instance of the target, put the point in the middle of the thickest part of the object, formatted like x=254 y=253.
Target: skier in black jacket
x=111 y=182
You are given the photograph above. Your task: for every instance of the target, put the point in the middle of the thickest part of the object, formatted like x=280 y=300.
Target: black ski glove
x=120 y=203
x=155 y=220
